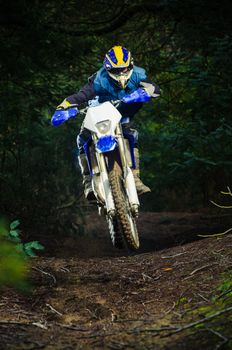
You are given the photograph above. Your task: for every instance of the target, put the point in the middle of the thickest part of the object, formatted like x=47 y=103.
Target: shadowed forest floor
x=87 y=295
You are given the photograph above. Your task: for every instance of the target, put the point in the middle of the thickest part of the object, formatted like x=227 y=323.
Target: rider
x=117 y=78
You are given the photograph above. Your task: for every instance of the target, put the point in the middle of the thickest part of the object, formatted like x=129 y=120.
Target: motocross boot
x=87 y=180
x=140 y=187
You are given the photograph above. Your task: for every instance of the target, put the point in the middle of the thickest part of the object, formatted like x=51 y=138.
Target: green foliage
x=221 y=299
x=224 y=295
x=14 y=264
x=14 y=267
x=14 y=232
x=31 y=246
x=189 y=153
x=181 y=301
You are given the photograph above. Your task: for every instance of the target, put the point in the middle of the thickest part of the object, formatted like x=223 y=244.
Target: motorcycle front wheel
x=115 y=232
x=125 y=219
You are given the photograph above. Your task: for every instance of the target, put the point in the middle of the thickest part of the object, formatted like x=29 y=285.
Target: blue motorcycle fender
x=106 y=144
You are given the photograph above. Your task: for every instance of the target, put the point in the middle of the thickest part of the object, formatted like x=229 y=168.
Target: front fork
x=129 y=182
x=127 y=173
x=104 y=180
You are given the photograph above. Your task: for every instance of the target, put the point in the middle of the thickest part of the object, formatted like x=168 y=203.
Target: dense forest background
x=49 y=49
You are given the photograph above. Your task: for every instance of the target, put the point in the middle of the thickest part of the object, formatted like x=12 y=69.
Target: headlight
x=104 y=126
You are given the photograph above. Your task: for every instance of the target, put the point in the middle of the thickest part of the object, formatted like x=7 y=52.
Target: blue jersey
x=107 y=90
x=102 y=85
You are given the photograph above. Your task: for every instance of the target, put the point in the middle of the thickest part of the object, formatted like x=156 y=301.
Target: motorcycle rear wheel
x=125 y=218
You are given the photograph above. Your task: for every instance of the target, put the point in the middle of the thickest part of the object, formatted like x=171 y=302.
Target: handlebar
x=62 y=115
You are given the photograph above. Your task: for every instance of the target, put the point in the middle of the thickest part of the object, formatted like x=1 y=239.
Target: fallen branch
x=222 y=206
x=45 y=273
x=202 y=267
x=204 y=298
x=172 y=256
x=202 y=320
x=224 y=293
x=146 y=277
x=229 y=191
x=40 y=325
x=54 y=310
x=170 y=309
x=35 y=324
x=221 y=336
x=217 y=234
x=199 y=269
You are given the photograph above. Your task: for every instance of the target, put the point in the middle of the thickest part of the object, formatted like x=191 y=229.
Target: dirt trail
x=88 y=296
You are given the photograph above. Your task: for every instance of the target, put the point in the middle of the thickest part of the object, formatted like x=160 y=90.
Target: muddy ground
x=87 y=295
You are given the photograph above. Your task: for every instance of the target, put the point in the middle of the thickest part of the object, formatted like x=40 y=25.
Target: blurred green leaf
x=14 y=235
x=14 y=224
x=31 y=246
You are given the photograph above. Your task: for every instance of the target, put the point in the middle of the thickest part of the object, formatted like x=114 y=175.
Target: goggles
x=120 y=71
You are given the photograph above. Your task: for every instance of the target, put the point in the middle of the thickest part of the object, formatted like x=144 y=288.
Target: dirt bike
x=110 y=156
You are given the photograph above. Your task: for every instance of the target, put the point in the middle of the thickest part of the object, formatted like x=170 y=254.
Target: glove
x=65 y=105
x=149 y=88
x=60 y=116
x=139 y=95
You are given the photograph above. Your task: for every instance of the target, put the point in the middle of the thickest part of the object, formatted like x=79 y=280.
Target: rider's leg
x=82 y=139
x=141 y=188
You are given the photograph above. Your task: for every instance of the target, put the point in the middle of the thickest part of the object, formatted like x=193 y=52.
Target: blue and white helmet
x=119 y=64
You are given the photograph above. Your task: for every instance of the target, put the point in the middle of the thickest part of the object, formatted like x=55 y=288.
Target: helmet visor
x=121 y=75
x=120 y=71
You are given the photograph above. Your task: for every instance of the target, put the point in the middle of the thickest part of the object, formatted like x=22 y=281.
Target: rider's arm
x=83 y=96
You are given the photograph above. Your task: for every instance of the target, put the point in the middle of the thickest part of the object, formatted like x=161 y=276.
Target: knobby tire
x=124 y=216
